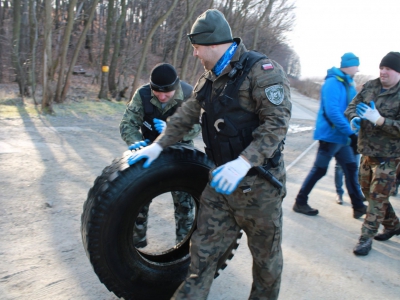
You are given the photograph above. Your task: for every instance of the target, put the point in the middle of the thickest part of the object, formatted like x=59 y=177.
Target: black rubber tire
x=109 y=213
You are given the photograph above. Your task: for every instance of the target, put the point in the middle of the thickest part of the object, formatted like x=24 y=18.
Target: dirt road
x=47 y=165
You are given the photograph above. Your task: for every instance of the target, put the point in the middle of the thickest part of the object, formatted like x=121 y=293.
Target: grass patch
x=16 y=108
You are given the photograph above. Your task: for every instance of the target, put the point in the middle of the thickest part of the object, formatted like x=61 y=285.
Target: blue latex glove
x=151 y=153
x=160 y=125
x=368 y=113
x=137 y=145
x=355 y=124
x=227 y=177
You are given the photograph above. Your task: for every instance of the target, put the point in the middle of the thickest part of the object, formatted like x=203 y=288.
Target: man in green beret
x=243 y=100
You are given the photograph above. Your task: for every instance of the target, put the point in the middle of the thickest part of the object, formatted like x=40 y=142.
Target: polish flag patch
x=267 y=67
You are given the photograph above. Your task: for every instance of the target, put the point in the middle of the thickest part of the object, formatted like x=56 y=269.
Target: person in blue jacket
x=336 y=136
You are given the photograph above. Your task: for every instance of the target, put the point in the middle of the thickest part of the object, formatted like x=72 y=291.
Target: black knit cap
x=211 y=28
x=391 y=60
x=163 y=78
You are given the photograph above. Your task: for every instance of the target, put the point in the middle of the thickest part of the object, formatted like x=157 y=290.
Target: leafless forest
x=117 y=42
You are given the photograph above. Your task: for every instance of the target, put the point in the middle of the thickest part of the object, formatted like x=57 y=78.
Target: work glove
x=369 y=113
x=137 y=145
x=160 y=125
x=151 y=153
x=353 y=142
x=355 y=124
x=226 y=178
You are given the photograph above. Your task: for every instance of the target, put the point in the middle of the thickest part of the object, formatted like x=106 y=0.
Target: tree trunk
x=185 y=61
x=114 y=60
x=24 y=47
x=106 y=51
x=47 y=105
x=2 y=33
x=57 y=14
x=15 y=46
x=265 y=15
x=64 y=49
x=34 y=37
x=136 y=82
x=189 y=17
x=77 y=50
x=236 y=24
x=89 y=36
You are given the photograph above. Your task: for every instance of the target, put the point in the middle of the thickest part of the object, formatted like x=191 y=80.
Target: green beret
x=210 y=28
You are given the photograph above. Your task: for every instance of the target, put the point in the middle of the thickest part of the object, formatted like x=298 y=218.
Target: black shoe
x=339 y=199
x=387 y=234
x=359 y=212
x=305 y=209
x=363 y=246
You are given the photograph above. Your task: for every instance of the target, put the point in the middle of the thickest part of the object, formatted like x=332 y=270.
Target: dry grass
x=81 y=101
x=308 y=87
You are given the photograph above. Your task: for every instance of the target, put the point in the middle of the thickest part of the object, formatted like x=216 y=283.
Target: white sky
x=327 y=29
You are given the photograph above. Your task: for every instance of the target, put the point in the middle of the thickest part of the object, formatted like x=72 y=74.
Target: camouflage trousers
x=378 y=181
x=259 y=213
x=184 y=217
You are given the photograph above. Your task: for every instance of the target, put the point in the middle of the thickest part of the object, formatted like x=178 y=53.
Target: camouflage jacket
x=378 y=141
x=253 y=96
x=133 y=117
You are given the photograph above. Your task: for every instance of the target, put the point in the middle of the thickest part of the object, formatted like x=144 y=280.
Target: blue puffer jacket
x=334 y=100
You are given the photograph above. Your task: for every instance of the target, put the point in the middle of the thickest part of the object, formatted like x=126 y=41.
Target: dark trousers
x=346 y=158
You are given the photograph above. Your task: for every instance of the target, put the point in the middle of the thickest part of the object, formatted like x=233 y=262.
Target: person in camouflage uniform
x=376 y=111
x=143 y=120
x=243 y=99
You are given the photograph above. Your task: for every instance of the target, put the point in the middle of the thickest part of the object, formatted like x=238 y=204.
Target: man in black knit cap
x=144 y=119
x=376 y=111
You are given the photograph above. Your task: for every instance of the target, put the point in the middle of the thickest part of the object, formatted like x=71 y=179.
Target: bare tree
x=114 y=60
x=106 y=51
x=161 y=19
x=47 y=105
x=16 y=46
x=191 y=8
x=2 y=35
x=77 y=50
x=64 y=49
x=265 y=17
x=34 y=37
x=187 y=53
x=129 y=38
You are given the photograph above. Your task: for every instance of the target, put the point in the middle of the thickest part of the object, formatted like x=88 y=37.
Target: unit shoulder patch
x=275 y=94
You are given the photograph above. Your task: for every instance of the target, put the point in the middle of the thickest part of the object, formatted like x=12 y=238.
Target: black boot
x=386 y=234
x=305 y=209
x=359 y=212
x=363 y=246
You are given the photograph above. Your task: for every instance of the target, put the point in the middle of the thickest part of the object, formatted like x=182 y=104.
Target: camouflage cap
x=211 y=28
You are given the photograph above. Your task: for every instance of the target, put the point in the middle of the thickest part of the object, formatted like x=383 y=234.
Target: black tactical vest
x=226 y=127
x=151 y=112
